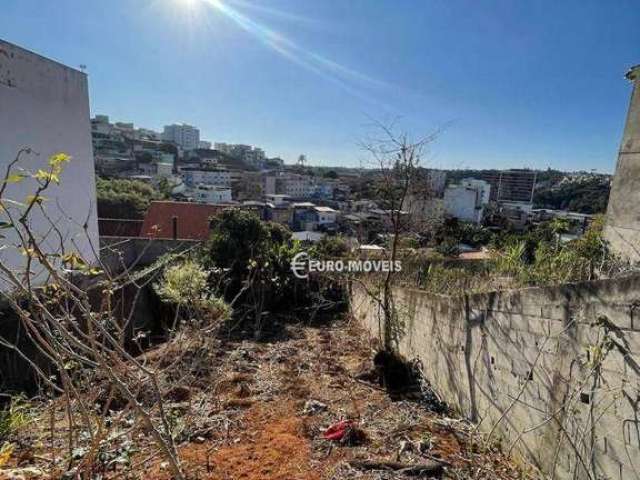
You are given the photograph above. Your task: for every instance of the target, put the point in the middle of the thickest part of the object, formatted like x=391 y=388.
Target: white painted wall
x=44 y=105
x=210 y=194
x=463 y=203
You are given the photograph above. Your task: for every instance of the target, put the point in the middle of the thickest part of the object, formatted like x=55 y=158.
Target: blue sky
x=513 y=83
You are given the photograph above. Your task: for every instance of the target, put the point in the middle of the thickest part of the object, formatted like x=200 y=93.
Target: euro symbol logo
x=299 y=265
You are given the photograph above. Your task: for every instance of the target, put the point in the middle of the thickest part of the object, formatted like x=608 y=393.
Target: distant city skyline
x=513 y=84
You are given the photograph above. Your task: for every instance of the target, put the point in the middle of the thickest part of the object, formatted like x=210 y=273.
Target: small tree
x=397 y=161
x=256 y=257
x=79 y=342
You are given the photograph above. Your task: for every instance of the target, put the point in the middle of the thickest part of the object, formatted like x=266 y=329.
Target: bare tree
x=399 y=179
x=51 y=295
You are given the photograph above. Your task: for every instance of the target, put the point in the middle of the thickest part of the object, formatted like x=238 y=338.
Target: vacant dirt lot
x=247 y=410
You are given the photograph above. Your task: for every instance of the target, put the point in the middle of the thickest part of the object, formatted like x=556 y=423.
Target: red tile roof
x=192 y=220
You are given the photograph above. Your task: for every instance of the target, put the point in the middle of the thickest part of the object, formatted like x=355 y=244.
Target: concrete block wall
x=553 y=373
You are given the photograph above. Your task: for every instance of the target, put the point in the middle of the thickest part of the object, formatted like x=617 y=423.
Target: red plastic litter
x=337 y=430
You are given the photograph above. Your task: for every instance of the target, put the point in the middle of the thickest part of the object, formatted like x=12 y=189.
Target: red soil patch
x=272 y=447
x=278 y=451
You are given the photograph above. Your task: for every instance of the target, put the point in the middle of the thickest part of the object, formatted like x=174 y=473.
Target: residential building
x=253 y=156
x=186 y=136
x=277 y=199
x=467 y=200
x=279 y=213
x=517 y=214
x=208 y=176
x=223 y=147
x=204 y=145
x=430 y=182
x=425 y=211
x=622 y=228
x=259 y=208
x=164 y=166
x=212 y=194
x=249 y=186
x=326 y=216
x=270 y=185
x=44 y=105
x=298 y=186
x=304 y=216
x=516 y=185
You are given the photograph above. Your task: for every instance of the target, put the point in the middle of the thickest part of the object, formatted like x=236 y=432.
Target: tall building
x=623 y=214
x=186 y=136
x=44 y=106
x=511 y=185
x=467 y=200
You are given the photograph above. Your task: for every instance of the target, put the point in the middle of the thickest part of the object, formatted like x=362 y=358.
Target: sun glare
x=193 y=13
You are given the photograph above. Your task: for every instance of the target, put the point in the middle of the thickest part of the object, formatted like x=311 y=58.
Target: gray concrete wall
x=556 y=369
x=44 y=106
x=623 y=214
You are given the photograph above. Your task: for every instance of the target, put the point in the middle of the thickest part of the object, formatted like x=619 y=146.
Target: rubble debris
x=312 y=407
x=27 y=473
x=426 y=468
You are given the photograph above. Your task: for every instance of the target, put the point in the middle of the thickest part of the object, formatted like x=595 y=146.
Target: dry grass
x=237 y=409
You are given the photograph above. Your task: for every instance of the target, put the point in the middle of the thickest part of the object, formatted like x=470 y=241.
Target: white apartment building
x=253 y=155
x=207 y=176
x=326 y=215
x=298 y=187
x=223 y=147
x=466 y=201
x=44 y=106
x=211 y=194
x=186 y=136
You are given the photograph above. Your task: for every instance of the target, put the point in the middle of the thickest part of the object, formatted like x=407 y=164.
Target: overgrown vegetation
x=14 y=417
x=544 y=260
x=125 y=199
x=535 y=258
x=255 y=258
x=588 y=196
x=186 y=286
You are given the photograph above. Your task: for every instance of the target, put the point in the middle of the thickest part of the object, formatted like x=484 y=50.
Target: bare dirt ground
x=246 y=410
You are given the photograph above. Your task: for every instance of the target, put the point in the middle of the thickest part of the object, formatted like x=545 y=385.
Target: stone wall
x=552 y=373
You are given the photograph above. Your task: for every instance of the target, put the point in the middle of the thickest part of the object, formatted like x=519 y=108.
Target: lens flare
x=352 y=81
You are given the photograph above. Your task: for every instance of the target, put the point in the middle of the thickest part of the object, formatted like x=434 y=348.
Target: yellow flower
x=58 y=159
x=45 y=176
